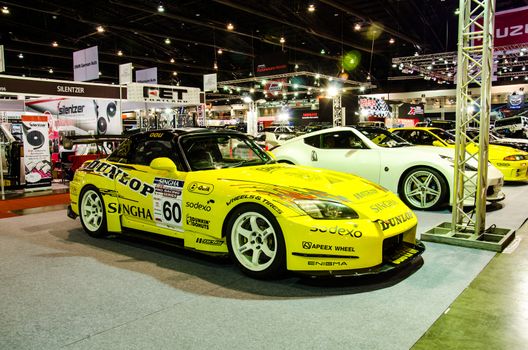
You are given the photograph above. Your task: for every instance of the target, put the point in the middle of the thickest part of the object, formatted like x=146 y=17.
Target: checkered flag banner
x=371 y=106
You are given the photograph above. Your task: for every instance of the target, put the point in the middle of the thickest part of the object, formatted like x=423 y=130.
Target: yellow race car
x=511 y=162
x=219 y=193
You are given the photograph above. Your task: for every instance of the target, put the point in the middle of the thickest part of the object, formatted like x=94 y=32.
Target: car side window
x=426 y=138
x=314 y=141
x=342 y=140
x=147 y=150
x=123 y=153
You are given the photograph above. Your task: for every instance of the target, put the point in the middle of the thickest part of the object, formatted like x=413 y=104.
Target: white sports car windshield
x=206 y=152
x=384 y=138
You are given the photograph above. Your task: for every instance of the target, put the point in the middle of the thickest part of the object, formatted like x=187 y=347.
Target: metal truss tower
x=474 y=68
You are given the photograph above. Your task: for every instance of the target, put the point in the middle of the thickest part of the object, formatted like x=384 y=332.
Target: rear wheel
x=424 y=188
x=255 y=242
x=92 y=212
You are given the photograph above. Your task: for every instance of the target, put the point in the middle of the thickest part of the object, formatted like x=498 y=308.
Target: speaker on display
x=35 y=138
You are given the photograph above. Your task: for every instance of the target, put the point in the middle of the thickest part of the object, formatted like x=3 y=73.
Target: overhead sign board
x=511 y=27
x=86 y=64
x=178 y=95
x=32 y=86
x=147 y=76
x=125 y=73
x=210 y=82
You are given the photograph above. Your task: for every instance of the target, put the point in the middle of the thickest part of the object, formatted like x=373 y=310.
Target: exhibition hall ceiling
x=184 y=39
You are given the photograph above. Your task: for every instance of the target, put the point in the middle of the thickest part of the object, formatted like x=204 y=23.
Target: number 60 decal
x=172 y=211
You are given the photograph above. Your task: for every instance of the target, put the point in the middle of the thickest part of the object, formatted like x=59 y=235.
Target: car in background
x=497 y=139
x=516 y=126
x=513 y=163
x=422 y=176
x=191 y=187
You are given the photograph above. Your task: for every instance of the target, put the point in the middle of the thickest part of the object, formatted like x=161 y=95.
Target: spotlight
x=175 y=73
x=391 y=41
x=167 y=41
x=100 y=29
x=220 y=51
x=50 y=71
x=172 y=60
x=282 y=40
x=120 y=53
x=230 y=26
x=54 y=44
x=357 y=27
x=311 y=8
x=5 y=10
x=161 y=8
x=215 y=65
x=21 y=55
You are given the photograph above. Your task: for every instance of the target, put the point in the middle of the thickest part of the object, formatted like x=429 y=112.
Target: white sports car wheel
x=255 y=242
x=423 y=188
x=92 y=212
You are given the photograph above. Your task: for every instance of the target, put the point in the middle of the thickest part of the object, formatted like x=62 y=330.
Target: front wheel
x=424 y=188
x=255 y=242
x=92 y=212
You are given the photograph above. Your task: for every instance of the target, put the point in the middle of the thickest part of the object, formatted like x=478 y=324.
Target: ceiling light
x=391 y=41
x=247 y=99
x=220 y=51
x=230 y=26
x=429 y=67
x=332 y=91
x=120 y=53
x=172 y=60
x=311 y=8
x=215 y=65
x=21 y=55
x=323 y=51
x=523 y=68
x=167 y=41
x=51 y=71
x=282 y=40
x=54 y=44
x=416 y=53
x=521 y=53
x=357 y=27
x=457 y=11
x=174 y=73
x=5 y=10
x=394 y=65
x=296 y=66
x=100 y=29
x=100 y=73
x=362 y=88
x=251 y=90
x=317 y=76
x=368 y=76
x=161 y=8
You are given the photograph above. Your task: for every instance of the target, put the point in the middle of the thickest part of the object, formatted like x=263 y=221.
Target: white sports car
x=421 y=175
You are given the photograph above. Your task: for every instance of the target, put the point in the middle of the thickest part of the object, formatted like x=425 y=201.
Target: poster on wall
x=37 y=158
x=81 y=116
x=411 y=110
x=516 y=100
x=373 y=107
x=147 y=76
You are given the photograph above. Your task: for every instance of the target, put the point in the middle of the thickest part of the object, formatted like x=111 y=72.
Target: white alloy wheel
x=423 y=189
x=92 y=212
x=254 y=241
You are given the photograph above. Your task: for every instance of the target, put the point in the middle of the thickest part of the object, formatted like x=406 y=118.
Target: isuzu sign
x=511 y=27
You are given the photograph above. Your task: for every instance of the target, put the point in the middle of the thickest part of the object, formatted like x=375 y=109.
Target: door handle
x=314 y=156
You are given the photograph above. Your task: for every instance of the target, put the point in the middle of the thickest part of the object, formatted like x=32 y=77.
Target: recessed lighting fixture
x=391 y=41
x=21 y=55
x=220 y=51
x=167 y=41
x=161 y=8
x=54 y=44
x=311 y=8
x=120 y=53
x=230 y=26
x=5 y=10
x=357 y=27
x=100 y=29
x=172 y=60
x=50 y=71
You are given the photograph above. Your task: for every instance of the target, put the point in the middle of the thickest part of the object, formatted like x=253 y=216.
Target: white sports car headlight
x=319 y=209
x=451 y=160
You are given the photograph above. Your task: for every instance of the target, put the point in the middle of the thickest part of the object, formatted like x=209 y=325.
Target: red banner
x=511 y=27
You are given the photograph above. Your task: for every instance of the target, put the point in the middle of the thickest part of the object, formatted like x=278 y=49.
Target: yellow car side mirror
x=163 y=163
x=438 y=143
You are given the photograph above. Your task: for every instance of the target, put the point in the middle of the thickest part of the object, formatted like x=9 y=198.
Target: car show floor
x=63 y=289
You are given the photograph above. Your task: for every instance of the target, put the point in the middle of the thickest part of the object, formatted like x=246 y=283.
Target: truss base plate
x=495 y=239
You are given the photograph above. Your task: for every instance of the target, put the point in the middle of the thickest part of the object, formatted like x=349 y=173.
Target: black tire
x=424 y=188
x=264 y=250
x=92 y=212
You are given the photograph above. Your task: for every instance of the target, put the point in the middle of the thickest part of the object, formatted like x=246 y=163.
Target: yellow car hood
x=497 y=152
x=296 y=182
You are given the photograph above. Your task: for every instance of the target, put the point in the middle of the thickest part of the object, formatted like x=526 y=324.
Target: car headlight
x=319 y=209
x=515 y=157
x=451 y=160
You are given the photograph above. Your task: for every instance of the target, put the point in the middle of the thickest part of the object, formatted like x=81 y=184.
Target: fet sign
x=164 y=93
x=511 y=27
